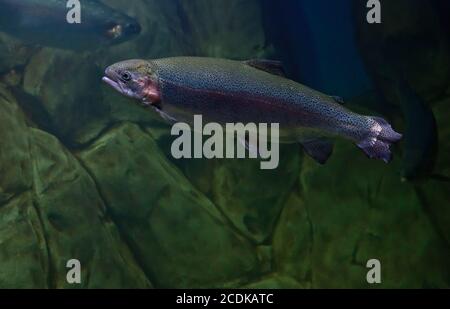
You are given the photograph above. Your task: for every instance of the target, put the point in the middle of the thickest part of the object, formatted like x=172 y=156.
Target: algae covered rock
x=15 y=166
x=368 y=213
x=21 y=240
x=76 y=222
x=67 y=86
x=293 y=240
x=276 y=282
x=171 y=227
x=249 y=197
x=13 y=53
x=51 y=212
x=23 y=253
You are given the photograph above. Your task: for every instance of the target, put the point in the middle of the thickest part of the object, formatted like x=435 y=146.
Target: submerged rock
x=276 y=282
x=361 y=211
x=15 y=166
x=171 y=227
x=13 y=53
x=76 y=223
x=249 y=197
x=293 y=240
x=23 y=252
x=68 y=88
x=51 y=212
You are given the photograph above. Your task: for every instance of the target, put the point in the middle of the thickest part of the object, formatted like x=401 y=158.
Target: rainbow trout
x=255 y=91
x=44 y=22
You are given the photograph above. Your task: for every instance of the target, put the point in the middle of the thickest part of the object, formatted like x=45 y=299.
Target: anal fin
x=319 y=149
x=164 y=115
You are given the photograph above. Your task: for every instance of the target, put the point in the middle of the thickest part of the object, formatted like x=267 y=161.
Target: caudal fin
x=377 y=143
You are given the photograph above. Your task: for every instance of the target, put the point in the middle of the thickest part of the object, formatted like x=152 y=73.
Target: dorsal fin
x=338 y=99
x=269 y=66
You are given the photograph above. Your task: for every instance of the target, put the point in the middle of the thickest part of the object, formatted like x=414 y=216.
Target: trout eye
x=115 y=31
x=126 y=76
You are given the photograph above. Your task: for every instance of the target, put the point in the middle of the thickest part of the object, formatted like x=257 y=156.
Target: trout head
x=134 y=79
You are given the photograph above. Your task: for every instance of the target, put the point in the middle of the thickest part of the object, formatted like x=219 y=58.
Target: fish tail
x=376 y=144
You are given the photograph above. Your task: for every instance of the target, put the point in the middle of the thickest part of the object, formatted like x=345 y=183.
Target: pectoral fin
x=269 y=66
x=164 y=115
x=319 y=149
x=251 y=147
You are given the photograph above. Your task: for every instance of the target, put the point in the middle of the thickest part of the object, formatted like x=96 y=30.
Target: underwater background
x=87 y=174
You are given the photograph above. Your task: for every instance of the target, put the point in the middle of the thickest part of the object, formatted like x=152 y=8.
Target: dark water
x=88 y=175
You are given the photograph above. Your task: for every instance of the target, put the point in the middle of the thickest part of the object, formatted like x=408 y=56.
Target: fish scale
x=246 y=94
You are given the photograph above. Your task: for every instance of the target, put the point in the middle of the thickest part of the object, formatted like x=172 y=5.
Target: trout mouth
x=120 y=87
x=115 y=85
x=112 y=79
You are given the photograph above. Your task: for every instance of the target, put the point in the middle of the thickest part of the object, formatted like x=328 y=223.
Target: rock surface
x=249 y=197
x=365 y=217
x=51 y=212
x=172 y=228
x=13 y=53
